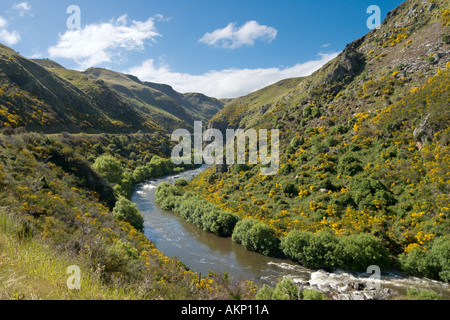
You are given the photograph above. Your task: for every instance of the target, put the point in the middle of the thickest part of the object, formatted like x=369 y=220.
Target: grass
x=31 y=269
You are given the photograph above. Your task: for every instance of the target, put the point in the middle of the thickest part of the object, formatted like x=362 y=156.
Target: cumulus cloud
x=8 y=37
x=22 y=7
x=228 y=83
x=232 y=37
x=99 y=43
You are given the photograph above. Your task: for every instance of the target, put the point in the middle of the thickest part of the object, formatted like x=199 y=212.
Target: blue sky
x=223 y=48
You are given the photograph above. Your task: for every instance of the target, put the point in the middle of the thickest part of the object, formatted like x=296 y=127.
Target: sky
x=221 y=48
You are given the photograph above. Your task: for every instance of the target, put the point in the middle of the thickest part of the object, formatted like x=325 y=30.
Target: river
x=202 y=251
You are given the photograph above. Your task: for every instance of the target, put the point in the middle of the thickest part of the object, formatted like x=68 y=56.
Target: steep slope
x=42 y=95
x=159 y=101
x=364 y=152
x=32 y=96
x=410 y=41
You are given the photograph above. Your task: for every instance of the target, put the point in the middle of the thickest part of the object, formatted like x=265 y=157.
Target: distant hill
x=42 y=95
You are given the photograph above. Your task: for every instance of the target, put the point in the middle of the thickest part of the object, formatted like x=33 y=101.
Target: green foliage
x=196 y=210
x=110 y=168
x=359 y=251
x=311 y=250
x=422 y=294
x=433 y=263
x=289 y=188
x=127 y=211
x=256 y=236
x=265 y=293
x=179 y=183
x=446 y=38
x=311 y=294
x=285 y=290
x=349 y=165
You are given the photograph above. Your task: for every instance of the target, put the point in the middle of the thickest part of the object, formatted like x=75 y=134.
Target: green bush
x=181 y=183
x=311 y=250
x=422 y=294
x=433 y=263
x=294 y=244
x=289 y=188
x=310 y=294
x=127 y=211
x=265 y=293
x=110 y=168
x=196 y=210
x=359 y=251
x=141 y=174
x=285 y=290
x=166 y=195
x=349 y=165
x=256 y=236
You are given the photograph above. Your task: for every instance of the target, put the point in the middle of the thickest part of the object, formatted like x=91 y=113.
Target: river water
x=202 y=251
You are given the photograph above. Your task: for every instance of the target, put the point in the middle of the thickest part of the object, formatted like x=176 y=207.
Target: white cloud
x=228 y=83
x=232 y=37
x=22 y=7
x=8 y=37
x=99 y=43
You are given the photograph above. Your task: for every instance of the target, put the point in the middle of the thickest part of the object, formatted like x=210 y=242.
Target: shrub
x=141 y=174
x=359 y=251
x=446 y=38
x=180 y=183
x=311 y=250
x=109 y=167
x=423 y=294
x=256 y=236
x=289 y=188
x=349 y=165
x=320 y=250
x=287 y=169
x=118 y=257
x=127 y=211
x=237 y=168
x=196 y=210
x=165 y=195
x=294 y=244
x=285 y=290
x=265 y=293
x=433 y=263
x=310 y=294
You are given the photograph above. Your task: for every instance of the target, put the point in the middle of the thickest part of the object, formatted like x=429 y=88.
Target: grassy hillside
x=36 y=98
x=365 y=145
x=56 y=211
x=43 y=96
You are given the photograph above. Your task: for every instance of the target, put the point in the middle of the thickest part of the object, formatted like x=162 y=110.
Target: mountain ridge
x=42 y=95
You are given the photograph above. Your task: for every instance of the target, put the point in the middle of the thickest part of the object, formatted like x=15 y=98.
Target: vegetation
x=423 y=294
x=196 y=210
x=364 y=154
x=127 y=211
x=364 y=171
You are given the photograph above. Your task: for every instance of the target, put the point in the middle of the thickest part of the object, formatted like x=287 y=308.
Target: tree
x=256 y=236
x=110 y=168
x=125 y=210
x=359 y=251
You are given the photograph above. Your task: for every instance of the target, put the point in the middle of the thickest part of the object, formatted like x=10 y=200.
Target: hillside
x=158 y=101
x=34 y=97
x=41 y=95
x=364 y=154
